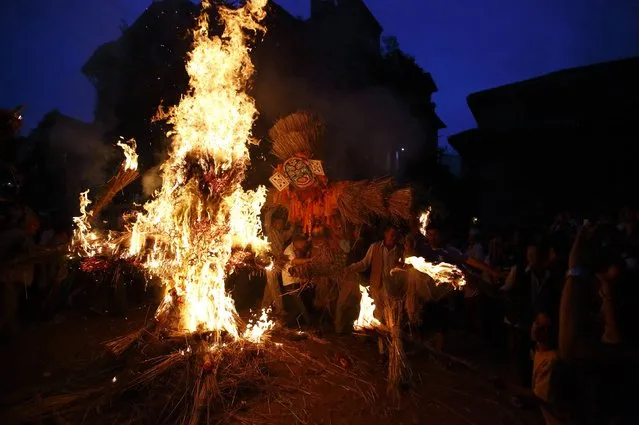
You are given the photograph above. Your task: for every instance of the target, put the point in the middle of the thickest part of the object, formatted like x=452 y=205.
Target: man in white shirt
x=527 y=289
x=381 y=258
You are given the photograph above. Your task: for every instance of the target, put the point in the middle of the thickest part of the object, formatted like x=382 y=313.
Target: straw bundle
x=298 y=133
x=121 y=180
x=397 y=370
x=360 y=201
x=272 y=295
x=400 y=203
x=374 y=195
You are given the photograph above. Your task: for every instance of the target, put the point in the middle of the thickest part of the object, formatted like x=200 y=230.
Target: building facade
x=377 y=107
x=565 y=140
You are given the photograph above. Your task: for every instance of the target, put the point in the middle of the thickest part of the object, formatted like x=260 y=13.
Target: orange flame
x=424 y=219
x=256 y=329
x=366 y=319
x=439 y=272
x=185 y=235
x=86 y=241
x=130 y=155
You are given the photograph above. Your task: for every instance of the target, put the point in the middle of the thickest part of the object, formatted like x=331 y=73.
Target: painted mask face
x=299 y=172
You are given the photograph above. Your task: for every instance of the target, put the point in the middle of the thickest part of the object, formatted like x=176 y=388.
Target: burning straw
x=126 y=175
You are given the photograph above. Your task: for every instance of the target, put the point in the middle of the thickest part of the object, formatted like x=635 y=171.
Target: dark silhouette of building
x=562 y=140
x=377 y=105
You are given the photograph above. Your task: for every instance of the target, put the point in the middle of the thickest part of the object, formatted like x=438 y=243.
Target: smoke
x=366 y=129
x=151 y=181
x=77 y=150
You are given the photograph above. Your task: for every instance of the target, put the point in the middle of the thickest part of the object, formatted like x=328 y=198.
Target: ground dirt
x=44 y=354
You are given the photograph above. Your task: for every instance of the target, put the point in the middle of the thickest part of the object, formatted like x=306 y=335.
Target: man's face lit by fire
x=390 y=237
x=278 y=224
x=300 y=245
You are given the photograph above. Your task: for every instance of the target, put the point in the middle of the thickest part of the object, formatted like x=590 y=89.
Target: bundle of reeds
x=362 y=201
x=397 y=368
x=353 y=202
x=400 y=203
x=298 y=133
x=272 y=294
x=373 y=195
x=122 y=179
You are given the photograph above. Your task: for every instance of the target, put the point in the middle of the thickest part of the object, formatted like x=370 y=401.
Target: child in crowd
x=545 y=368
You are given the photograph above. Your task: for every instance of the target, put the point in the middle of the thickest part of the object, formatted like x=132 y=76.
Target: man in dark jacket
x=528 y=290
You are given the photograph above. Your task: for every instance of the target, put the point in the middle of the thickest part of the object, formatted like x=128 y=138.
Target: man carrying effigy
x=326 y=264
x=349 y=296
x=294 y=280
x=380 y=259
x=315 y=203
x=279 y=237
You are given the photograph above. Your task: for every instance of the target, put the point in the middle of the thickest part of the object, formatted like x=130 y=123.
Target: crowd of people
x=559 y=299
x=32 y=266
x=32 y=243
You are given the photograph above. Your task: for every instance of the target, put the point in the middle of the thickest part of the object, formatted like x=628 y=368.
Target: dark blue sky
x=467 y=45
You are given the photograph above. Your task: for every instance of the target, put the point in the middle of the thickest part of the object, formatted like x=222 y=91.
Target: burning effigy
x=201 y=223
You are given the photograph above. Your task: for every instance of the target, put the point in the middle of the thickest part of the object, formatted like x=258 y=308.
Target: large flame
x=130 y=155
x=424 y=219
x=439 y=272
x=186 y=233
x=86 y=241
x=366 y=318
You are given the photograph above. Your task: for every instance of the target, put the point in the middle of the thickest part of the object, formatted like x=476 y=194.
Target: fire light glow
x=366 y=318
x=187 y=233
